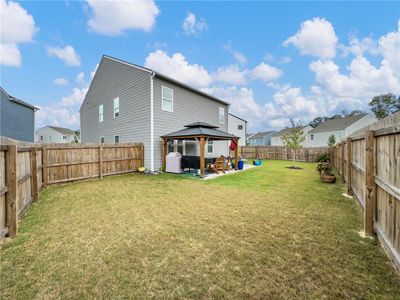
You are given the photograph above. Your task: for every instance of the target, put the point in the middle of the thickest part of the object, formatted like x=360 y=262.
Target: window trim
x=212 y=146
x=101 y=114
x=118 y=139
x=115 y=108
x=169 y=100
x=240 y=127
x=221 y=109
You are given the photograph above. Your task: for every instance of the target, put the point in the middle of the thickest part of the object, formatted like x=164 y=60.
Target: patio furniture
x=193 y=162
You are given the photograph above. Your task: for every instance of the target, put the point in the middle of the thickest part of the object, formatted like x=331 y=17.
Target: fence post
x=101 y=161
x=369 y=183
x=307 y=155
x=349 y=166
x=142 y=155
x=45 y=176
x=34 y=170
x=12 y=193
x=342 y=162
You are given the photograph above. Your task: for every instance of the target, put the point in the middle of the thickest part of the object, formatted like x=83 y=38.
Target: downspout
x=152 y=122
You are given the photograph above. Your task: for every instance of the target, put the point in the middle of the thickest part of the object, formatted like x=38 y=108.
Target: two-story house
x=129 y=103
x=276 y=139
x=238 y=127
x=260 y=138
x=54 y=134
x=17 y=118
x=340 y=127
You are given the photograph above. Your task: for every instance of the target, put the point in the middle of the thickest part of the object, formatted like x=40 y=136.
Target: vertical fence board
x=12 y=193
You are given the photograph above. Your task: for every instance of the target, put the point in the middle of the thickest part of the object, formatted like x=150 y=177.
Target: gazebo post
x=202 y=142
x=236 y=154
x=164 y=152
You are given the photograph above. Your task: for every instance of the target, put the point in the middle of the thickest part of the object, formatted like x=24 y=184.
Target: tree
x=77 y=137
x=331 y=141
x=317 y=121
x=294 y=139
x=385 y=105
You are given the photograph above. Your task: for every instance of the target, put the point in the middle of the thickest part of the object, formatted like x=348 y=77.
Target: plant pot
x=328 y=178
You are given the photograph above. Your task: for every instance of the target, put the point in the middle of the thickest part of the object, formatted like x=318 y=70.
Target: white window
x=312 y=136
x=210 y=146
x=116 y=107
x=221 y=116
x=101 y=113
x=167 y=96
x=102 y=140
x=41 y=137
x=65 y=137
x=240 y=127
x=116 y=139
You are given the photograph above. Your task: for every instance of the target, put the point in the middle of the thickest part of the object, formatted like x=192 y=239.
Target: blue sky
x=271 y=60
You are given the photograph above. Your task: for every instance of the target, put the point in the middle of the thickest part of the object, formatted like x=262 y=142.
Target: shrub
x=325 y=157
x=324 y=168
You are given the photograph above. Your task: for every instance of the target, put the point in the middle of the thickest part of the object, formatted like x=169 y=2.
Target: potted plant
x=325 y=172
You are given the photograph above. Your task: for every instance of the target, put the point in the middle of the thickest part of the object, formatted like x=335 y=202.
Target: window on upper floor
x=41 y=137
x=65 y=137
x=221 y=115
x=102 y=140
x=116 y=139
x=167 y=99
x=101 y=113
x=210 y=146
x=311 y=136
x=240 y=127
x=116 y=107
x=49 y=137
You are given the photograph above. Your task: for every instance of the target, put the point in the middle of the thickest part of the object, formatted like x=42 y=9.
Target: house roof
x=19 y=101
x=285 y=131
x=337 y=123
x=62 y=130
x=238 y=117
x=167 y=78
x=260 y=135
x=200 y=129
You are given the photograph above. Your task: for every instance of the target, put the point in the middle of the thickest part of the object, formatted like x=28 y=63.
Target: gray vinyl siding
x=115 y=79
x=188 y=107
x=16 y=121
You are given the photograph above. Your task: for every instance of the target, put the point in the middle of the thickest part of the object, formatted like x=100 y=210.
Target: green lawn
x=268 y=232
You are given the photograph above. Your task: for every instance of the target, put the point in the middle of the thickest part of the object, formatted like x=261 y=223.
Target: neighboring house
x=237 y=126
x=129 y=103
x=260 y=139
x=53 y=134
x=276 y=139
x=17 y=118
x=340 y=127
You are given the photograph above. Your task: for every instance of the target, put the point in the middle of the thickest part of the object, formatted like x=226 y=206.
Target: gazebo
x=202 y=133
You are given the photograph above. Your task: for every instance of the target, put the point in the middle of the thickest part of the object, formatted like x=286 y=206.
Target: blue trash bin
x=240 y=164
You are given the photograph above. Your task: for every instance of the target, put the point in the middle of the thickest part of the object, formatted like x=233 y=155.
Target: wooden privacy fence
x=25 y=170
x=369 y=163
x=280 y=152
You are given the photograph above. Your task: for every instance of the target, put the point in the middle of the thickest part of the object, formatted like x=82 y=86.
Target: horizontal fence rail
x=25 y=169
x=369 y=163
x=282 y=153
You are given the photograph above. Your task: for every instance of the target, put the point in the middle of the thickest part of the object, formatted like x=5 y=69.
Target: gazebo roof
x=200 y=129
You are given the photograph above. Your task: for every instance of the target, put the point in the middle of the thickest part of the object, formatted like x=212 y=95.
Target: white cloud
x=17 y=26
x=113 y=17
x=177 y=67
x=316 y=37
x=230 y=74
x=65 y=112
x=359 y=47
x=60 y=81
x=266 y=72
x=80 y=78
x=66 y=54
x=238 y=56
x=283 y=60
x=193 y=27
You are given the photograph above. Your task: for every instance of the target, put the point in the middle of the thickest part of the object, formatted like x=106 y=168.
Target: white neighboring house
x=340 y=127
x=53 y=134
x=237 y=126
x=276 y=139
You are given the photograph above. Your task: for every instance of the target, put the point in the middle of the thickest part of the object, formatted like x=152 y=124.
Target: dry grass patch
x=267 y=232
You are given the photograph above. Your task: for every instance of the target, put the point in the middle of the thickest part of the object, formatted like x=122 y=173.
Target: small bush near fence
x=25 y=169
